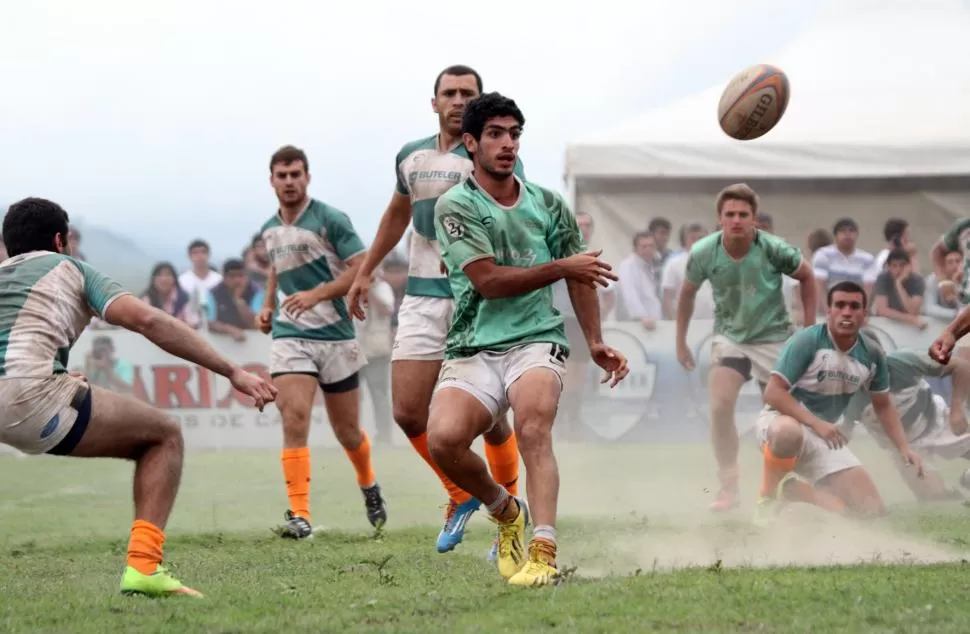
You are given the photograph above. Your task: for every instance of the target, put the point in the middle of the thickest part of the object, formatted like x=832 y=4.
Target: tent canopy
x=876 y=127
x=881 y=94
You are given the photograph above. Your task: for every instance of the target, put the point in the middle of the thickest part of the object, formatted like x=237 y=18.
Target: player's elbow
x=487 y=287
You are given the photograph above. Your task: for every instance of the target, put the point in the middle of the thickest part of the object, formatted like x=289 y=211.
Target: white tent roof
x=874 y=95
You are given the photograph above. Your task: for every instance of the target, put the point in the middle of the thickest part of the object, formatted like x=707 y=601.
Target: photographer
x=104 y=369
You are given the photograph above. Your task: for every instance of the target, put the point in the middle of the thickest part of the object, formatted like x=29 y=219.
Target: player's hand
x=685 y=357
x=942 y=348
x=588 y=269
x=302 y=301
x=264 y=320
x=358 y=296
x=830 y=433
x=78 y=375
x=610 y=360
x=958 y=420
x=260 y=390
x=910 y=457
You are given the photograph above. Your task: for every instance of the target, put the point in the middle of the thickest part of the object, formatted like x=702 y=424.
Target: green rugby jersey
x=823 y=378
x=749 y=301
x=538 y=228
x=313 y=250
x=424 y=173
x=46 y=301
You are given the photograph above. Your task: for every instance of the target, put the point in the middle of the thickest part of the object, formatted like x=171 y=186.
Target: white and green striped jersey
x=313 y=250
x=824 y=378
x=46 y=301
x=911 y=394
x=424 y=173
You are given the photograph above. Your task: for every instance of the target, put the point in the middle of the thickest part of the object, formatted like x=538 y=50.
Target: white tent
x=877 y=126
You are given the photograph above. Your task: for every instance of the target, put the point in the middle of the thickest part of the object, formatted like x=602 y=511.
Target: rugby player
x=504 y=243
x=47 y=299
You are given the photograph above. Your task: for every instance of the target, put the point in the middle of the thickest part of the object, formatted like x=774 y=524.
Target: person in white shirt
x=842 y=261
x=200 y=279
x=674 y=271
x=638 y=289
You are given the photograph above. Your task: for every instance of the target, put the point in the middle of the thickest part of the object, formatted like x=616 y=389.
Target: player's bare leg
x=125 y=428
x=457 y=419
x=724 y=386
x=343 y=410
x=534 y=399
x=412 y=387
x=785 y=439
x=295 y=402
x=856 y=490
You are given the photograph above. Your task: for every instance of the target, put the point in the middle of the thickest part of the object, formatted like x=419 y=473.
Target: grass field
x=645 y=553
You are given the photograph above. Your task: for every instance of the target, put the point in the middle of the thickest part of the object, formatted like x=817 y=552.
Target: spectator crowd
x=225 y=301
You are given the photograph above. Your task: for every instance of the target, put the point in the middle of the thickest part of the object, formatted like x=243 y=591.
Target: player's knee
x=785 y=437
x=533 y=433
x=445 y=442
x=722 y=404
x=412 y=420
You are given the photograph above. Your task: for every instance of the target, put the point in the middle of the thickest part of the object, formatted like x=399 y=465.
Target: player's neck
x=738 y=247
x=446 y=140
x=504 y=191
x=290 y=212
x=843 y=342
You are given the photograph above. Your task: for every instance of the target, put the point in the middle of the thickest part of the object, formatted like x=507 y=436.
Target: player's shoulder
x=320 y=213
x=272 y=222
x=409 y=148
x=770 y=241
x=462 y=196
x=547 y=198
x=704 y=249
x=816 y=334
x=39 y=263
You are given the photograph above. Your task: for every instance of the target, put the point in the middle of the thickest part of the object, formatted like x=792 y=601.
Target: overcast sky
x=157 y=119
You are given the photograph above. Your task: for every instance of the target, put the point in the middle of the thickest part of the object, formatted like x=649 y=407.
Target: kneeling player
x=504 y=243
x=932 y=428
x=819 y=371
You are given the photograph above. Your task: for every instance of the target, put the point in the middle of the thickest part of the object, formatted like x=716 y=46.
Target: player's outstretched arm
x=175 y=337
x=942 y=348
x=685 y=310
x=888 y=416
x=391 y=229
x=959 y=371
x=585 y=301
x=808 y=292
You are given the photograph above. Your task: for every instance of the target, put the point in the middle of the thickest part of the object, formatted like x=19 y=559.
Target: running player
x=47 y=299
x=426 y=169
x=932 y=428
x=819 y=371
x=746 y=268
x=314 y=254
x=504 y=243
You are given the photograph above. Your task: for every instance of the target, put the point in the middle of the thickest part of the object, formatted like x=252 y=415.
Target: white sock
x=544 y=531
x=499 y=503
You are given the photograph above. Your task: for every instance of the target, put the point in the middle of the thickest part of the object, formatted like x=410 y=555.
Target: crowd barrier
x=659 y=400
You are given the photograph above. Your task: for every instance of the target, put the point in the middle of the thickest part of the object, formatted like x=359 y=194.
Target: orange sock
x=503 y=462
x=799 y=491
x=296 y=472
x=360 y=458
x=455 y=494
x=774 y=470
x=145 y=547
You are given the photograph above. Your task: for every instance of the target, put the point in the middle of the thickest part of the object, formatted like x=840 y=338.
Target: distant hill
x=117 y=256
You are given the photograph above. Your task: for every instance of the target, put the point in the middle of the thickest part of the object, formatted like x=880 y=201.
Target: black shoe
x=375 y=505
x=296 y=527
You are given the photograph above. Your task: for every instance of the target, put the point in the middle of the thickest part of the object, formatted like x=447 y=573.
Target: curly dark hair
x=488 y=106
x=32 y=224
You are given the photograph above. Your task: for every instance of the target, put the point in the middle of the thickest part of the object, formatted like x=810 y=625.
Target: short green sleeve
x=341 y=234
x=565 y=238
x=951 y=239
x=880 y=376
x=400 y=186
x=696 y=272
x=99 y=289
x=461 y=234
x=783 y=256
x=797 y=355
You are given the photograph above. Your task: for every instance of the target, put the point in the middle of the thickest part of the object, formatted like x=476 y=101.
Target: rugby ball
x=753 y=102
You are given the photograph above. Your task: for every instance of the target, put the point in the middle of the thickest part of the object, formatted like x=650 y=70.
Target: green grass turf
x=643 y=553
